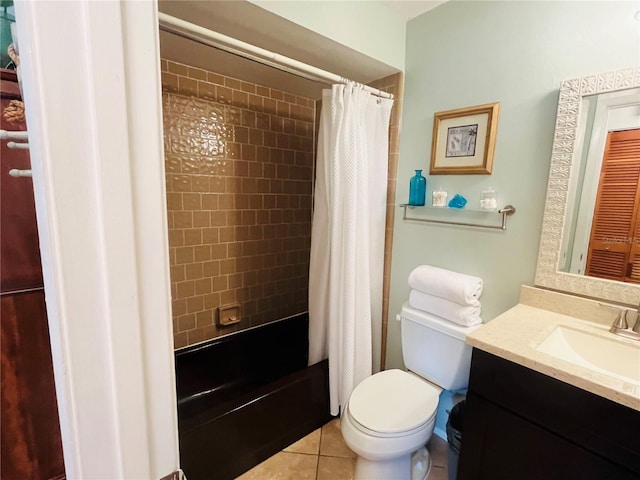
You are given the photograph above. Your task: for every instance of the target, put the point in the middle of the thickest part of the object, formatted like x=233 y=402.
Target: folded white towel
x=465 y=315
x=452 y=286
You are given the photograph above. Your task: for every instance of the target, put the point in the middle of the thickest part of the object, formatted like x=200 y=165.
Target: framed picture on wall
x=464 y=140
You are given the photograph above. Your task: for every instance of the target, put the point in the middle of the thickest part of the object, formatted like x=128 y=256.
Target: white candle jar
x=488 y=199
x=439 y=198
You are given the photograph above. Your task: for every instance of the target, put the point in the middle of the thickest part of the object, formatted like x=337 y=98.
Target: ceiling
x=412 y=8
x=249 y=23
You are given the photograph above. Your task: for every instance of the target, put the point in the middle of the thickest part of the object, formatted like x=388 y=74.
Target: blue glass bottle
x=417 y=189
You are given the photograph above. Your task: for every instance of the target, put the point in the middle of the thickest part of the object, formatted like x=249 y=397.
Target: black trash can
x=454 y=437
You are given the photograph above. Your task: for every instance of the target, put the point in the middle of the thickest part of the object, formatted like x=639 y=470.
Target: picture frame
x=464 y=140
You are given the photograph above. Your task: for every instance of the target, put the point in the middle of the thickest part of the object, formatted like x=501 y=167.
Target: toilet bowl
x=389 y=416
x=392 y=414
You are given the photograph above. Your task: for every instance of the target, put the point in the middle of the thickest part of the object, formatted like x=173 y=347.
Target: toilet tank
x=435 y=348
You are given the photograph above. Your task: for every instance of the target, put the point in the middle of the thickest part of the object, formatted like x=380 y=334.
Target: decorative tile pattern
x=239 y=163
x=547 y=274
x=239 y=172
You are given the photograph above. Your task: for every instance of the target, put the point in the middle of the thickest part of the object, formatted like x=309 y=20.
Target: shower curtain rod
x=228 y=44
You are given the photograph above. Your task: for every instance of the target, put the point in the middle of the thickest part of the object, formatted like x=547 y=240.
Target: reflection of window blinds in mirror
x=614 y=246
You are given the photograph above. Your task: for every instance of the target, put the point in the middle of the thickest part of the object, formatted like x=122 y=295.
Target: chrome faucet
x=621 y=326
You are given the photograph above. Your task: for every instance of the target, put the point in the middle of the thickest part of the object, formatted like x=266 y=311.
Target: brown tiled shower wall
x=239 y=167
x=392 y=84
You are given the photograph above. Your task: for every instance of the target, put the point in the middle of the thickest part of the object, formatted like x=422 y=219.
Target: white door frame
x=91 y=83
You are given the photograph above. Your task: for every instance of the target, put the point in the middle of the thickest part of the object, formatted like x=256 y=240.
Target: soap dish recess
x=228 y=314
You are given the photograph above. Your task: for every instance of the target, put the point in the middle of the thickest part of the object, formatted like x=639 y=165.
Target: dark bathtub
x=246 y=396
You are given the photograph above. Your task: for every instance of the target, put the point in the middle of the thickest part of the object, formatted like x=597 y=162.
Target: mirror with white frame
x=588 y=108
x=603 y=206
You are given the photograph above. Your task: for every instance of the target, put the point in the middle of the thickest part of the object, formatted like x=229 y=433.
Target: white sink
x=597 y=351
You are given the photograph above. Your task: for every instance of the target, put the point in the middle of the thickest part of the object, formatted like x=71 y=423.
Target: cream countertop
x=515 y=334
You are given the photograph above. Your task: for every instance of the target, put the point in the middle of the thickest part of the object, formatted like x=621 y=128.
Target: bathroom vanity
x=533 y=415
x=522 y=424
x=553 y=394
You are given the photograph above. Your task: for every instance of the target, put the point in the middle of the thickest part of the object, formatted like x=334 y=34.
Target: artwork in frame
x=464 y=140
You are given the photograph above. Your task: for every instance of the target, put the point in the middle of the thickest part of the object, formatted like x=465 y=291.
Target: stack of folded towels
x=450 y=295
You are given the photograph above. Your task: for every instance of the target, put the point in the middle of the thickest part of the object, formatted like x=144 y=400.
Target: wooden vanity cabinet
x=30 y=440
x=524 y=425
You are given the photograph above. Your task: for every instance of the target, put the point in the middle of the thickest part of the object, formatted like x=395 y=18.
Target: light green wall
x=516 y=53
x=368 y=27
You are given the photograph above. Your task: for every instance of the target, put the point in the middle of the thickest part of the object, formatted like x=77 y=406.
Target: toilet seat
x=392 y=403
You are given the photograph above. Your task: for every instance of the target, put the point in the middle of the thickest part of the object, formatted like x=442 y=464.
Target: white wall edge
x=380 y=33
x=91 y=81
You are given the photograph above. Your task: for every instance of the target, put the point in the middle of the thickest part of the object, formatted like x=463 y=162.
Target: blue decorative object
x=417 y=189
x=458 y=201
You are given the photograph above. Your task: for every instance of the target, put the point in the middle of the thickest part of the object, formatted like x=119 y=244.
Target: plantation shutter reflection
x=614 y=251
x=633 y=268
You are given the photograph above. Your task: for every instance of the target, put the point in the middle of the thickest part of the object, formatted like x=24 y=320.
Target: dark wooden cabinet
x=521 y=424
x=31 y=445
x=20 y=268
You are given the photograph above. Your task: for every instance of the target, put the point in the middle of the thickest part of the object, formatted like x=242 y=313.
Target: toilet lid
x=393 y=401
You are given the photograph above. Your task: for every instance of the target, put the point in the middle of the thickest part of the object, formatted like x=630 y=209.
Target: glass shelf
x=505 y=211
x=452 y=209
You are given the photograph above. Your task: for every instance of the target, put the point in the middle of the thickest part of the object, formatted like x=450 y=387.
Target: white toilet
x=392 y=414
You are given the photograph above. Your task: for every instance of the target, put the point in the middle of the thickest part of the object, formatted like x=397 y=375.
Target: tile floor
x=323 y=455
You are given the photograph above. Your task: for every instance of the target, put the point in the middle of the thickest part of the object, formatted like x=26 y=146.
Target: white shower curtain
x=347 y=237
